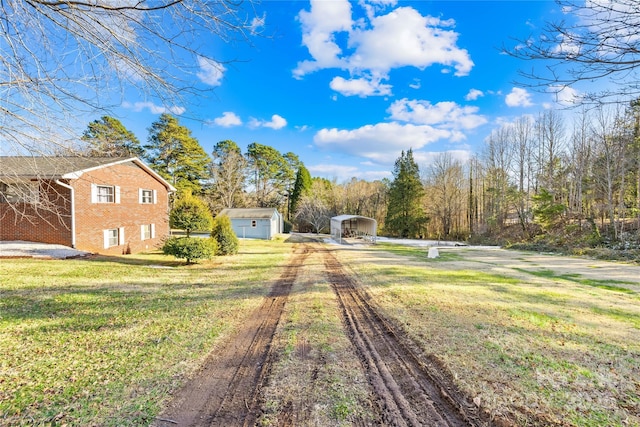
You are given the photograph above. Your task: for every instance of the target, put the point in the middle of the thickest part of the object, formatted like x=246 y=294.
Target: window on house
x=147 y=196
x=19 y=192
x=147 y=231
x=254 y=223
x=105 y=194
x=111 y=238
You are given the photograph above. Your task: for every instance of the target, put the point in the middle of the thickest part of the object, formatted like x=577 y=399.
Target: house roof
x=249 y=213
x=43 y=167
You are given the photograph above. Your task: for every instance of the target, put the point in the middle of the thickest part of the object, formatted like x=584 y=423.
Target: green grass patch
x=102 y=341
x=417 y=252
x=513 y=342
x=610 y=285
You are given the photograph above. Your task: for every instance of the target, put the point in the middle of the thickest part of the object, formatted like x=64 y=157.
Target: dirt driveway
x=408 y=387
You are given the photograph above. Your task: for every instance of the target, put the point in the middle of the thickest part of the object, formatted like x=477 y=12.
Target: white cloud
x=362 y=87
x=518 y=97
x=333 y=171
x=381 y=142
x=415 y=84
x=258 y=22
x=473 y=95
x=211 y=72
x=276 y=122
x=397 y=39
x=565 y=95
x=153 y=108
x=319 y=27
x=344 y=173
x=445 y=115
x=406 y=38
x=426 y=158
x=228 y=119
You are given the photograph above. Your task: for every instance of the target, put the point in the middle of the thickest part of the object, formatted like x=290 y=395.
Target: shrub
x=189 y=213
x=190 y=248
x=222 y=232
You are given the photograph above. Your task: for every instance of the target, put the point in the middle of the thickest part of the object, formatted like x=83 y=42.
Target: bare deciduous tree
x=596 y=40
x=62 y=59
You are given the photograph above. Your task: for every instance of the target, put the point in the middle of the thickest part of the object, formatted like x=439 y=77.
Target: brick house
x=103 y=205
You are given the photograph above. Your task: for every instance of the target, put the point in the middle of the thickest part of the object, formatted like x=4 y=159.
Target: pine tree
x=301 y=187
x=107 y=137
x=405 y=213
x=222 y=232
x=176 y=155
x=271 y=174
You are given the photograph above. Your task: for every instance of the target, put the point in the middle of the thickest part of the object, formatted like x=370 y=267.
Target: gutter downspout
x=73 y=211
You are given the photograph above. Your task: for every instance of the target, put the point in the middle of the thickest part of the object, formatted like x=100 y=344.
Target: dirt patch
x=408 y=387
x=225 y=391
x=411 y=388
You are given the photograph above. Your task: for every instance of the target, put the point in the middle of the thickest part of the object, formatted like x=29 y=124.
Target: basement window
x=147 y=231
x=113 y=237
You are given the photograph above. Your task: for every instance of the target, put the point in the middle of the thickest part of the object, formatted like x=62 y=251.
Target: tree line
x=544 y=174
x=229 y=178
x=576 y=176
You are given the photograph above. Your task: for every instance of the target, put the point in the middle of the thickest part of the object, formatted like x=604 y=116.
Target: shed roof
x=249 y=213
x=44 y=167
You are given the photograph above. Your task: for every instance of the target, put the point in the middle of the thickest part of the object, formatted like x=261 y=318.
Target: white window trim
x=106 y=237
x=154 y=196
x=94 y=193
x=152 y=231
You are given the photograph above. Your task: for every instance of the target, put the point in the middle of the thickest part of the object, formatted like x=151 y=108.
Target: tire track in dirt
x=411 y=389
x=225 y=390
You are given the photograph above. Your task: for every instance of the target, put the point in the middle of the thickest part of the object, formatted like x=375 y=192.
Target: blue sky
x=348 y=85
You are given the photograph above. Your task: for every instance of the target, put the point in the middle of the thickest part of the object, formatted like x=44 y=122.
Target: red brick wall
x=51 y=224
x=93 y=218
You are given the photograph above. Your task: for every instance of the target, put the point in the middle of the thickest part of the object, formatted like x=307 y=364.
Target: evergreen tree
x=301 y=187
x=271 y=174
x=405 y=213
x=223 y=233
x=107 y=137
x=190 y=248
x=176 y=155
x=189 y=213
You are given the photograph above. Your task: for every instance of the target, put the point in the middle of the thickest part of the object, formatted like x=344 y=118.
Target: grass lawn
x=101 y=341
x=519 y=340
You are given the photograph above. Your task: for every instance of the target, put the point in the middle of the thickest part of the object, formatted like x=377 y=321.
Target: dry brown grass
x=317 y=379
x=520 y=338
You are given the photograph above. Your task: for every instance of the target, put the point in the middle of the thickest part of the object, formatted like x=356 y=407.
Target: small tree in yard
x=222 y=232
x=190 y=214
x=190 y=248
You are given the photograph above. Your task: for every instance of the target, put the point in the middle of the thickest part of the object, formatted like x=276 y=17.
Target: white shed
x=356 y=226
x=255 y=223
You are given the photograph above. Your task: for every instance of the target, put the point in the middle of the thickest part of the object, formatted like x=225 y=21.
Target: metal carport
x=355 y=226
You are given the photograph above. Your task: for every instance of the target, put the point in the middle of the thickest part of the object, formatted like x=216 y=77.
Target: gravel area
x=18 y=248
